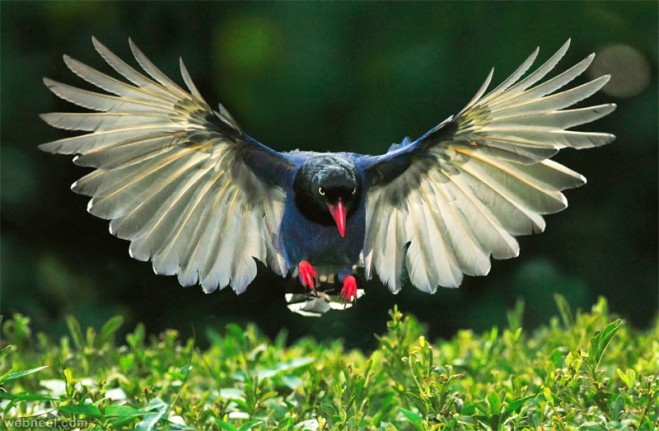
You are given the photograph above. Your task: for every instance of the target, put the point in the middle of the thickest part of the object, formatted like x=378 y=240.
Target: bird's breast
x=302 y=239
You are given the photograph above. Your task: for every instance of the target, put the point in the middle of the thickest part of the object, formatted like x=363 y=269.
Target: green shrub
x=578 y=372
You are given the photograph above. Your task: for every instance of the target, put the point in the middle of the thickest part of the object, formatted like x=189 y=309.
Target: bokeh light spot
x=629 y=70
x=248 y=44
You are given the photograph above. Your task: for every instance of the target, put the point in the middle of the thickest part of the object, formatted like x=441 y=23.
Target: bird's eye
x=321 y=191
x=354 y=191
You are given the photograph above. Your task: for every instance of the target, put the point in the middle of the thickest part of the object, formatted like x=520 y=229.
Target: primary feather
x=484 y=175
x=171 y=174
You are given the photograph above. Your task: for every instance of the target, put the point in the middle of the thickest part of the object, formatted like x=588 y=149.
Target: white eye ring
x=321 y=191
x=354 y=191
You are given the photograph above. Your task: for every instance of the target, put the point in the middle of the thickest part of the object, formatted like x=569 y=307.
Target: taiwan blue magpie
x=200 y=198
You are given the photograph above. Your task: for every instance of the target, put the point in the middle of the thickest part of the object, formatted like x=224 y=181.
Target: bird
x=203 y=200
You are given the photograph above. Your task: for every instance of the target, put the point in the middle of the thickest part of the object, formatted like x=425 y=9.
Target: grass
x=586 y=371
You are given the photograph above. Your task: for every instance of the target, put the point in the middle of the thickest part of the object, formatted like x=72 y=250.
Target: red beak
x=338 y=212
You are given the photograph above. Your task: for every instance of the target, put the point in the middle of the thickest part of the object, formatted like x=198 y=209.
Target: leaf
x=76 y=332
x=226 y=426
x=514 y=405
x=122 y=411
x=468 y=410
x=182 y=373
x=628 y=377
x=617 y=406
x=564 y=309
x=494 y=401
x=149 y=422
x=248 y=425
x=516 y=316
x=278 y=368
x=82 y=409
x=594 y=426
x=413 y=417
x=601 y=340
x=7 y=349
x=234 y=331
x=25 y=396
x=136 y=338
x=123 y=415
x=108 y=330
x=18 y=374
x=307 y=425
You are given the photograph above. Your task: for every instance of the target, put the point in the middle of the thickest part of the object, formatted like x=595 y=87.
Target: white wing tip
x=97 y=44
x=134 y=49
x=394 y=286
x=583 y=179
x=610 y=137
x=208 y=289
x=48 y=119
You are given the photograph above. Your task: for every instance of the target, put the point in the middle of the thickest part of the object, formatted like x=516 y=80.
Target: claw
x=308 y=275
x=349 y=290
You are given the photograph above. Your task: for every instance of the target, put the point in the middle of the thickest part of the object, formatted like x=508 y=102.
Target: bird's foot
x=308 y=275
x=349 y=290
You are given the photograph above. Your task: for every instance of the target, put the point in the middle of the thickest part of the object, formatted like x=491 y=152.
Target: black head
x=328 y=190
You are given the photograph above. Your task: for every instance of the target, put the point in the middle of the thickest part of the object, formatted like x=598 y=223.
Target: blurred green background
x=330 y=76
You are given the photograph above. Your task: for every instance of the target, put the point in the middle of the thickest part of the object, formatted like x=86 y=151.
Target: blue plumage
x=304 y=239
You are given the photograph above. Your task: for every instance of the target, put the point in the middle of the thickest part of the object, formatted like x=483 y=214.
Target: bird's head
x=328 y=190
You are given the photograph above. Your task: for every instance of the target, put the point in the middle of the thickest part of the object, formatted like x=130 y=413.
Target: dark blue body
x=318 y=244
x=301 y=239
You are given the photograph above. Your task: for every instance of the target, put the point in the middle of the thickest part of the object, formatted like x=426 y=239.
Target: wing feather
x=514 y=77
x=189 y=83
x=131 y=74
x=100 y=102
x=518 y=97
x=168 y=257
x=556 y=101
x=539 y=73
x=461 y=192
x=485 y=226
x=113 y=85
x=156 y=74
x=471 y=257
x=102 y=121
x=172 y=175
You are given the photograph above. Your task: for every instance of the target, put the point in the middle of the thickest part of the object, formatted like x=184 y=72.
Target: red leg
x=308 y=276
x=349 y=290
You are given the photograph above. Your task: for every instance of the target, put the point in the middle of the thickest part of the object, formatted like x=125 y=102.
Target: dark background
x=327 y=77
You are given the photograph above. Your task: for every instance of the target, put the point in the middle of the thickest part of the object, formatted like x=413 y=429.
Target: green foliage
x=325 y=76
x=582 y=371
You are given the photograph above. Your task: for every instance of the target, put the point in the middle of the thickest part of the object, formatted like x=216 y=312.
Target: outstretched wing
x=441 y=205
x=183 y=183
